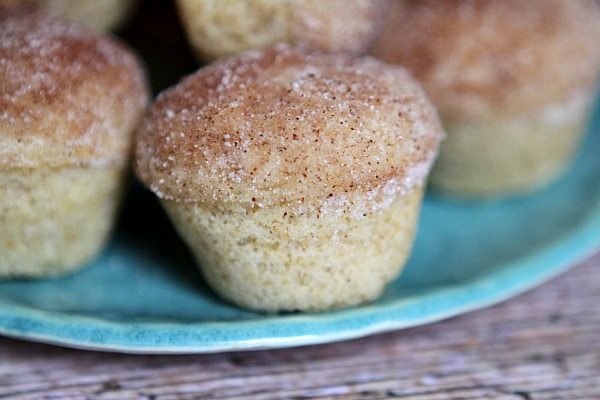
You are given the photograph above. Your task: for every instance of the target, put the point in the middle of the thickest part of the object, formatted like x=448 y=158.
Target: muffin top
x=226 y=27
x=284 y=126
x=67 y=96
x=494 y=57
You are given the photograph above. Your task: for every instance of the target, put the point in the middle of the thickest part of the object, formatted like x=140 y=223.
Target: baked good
x=295 y=178
x=513 y=82
x=97 y=14
x=70 y=100
x=218 y=28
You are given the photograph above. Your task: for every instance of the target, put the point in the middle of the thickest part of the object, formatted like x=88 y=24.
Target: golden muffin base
x=55 y=220
x=501 y=156
x=268 y=260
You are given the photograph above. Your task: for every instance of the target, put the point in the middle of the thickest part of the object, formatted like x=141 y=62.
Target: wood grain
x=542 y=345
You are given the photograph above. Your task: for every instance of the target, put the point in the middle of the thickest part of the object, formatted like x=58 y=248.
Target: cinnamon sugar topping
x=282 y=126
x=67 y=96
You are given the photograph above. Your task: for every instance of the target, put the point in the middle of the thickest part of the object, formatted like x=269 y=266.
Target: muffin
x=295 y=178
x=218 y=28
x=513 y=82
x=98 y=14
x=69 y=100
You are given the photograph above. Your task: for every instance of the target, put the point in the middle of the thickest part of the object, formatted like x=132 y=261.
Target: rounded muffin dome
x=285 y=126
x=68 y=96
x=495 y=56
x=220 y=28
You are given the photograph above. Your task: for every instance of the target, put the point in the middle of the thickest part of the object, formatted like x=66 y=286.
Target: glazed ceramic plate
x=144 y=295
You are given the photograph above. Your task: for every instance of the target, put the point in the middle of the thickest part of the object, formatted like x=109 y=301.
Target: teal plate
x=143 y=294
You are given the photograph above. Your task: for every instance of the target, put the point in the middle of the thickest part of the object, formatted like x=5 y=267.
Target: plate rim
x=548 y=262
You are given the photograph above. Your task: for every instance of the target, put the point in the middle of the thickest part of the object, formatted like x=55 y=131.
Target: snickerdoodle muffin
x=69 y=102
x=218 y=28
x=295 y=178
x=97 y=14
x=513 y=81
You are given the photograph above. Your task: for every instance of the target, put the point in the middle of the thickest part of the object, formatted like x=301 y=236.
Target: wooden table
x=542 y=345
